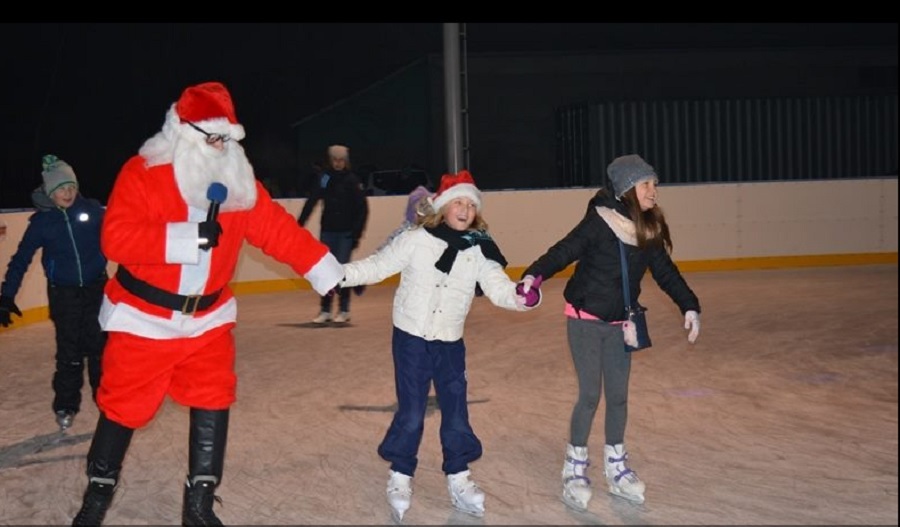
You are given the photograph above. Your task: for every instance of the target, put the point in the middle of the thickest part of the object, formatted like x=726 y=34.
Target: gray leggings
x=598 y=351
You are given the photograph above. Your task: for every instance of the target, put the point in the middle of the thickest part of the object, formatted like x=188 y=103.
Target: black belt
x=187 y=304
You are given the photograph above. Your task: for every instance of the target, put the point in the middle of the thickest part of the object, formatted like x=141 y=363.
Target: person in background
x=595 y=311
x=179 y=213
x=66 y=227
x=345 y=211
x=440 y=262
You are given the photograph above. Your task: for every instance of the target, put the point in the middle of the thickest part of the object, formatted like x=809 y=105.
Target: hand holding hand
x=7 y=306
x=692 y=322
x=208 y=234
x=528 y=291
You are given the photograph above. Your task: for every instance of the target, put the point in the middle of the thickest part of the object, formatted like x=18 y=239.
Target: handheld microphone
x=216 y=194
x=209 y=230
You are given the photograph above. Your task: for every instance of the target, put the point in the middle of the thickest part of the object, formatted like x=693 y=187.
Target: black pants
x=74 y=312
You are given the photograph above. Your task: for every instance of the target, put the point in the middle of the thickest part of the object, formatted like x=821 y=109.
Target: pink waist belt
x=571 y=312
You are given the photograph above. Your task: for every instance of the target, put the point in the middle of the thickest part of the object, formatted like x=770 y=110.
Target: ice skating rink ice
x=784 y=412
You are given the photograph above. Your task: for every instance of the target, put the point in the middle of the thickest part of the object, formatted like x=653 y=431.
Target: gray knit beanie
x=57 y=173
x=627 y=171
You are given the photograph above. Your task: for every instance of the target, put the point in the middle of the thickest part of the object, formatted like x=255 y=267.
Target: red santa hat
x=455 y=186
x=204 y=102
x=209 y=103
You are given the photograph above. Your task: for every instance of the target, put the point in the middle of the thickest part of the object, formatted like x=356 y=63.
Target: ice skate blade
x=397 y=516
x=637 y=499
x=477 y=512
x=574 y=504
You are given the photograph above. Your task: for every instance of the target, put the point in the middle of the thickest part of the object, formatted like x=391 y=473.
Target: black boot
x=104 y=459
x=209 y=434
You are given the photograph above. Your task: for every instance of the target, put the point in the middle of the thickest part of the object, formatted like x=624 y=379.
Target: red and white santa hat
x=454 y=186
x=209 y=106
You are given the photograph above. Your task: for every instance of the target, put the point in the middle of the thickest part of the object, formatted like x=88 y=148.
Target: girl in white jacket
x=440 y=263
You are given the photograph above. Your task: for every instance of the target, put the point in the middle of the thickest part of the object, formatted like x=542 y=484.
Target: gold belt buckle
x=191 y=302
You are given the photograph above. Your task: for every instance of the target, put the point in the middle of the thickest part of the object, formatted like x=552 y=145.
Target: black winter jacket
x=345 y=206
x=596 y=284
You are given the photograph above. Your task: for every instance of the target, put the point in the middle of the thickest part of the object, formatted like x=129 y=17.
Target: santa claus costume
x=176 y=220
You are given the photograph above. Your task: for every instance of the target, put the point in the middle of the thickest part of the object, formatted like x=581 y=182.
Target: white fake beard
x=197 y=165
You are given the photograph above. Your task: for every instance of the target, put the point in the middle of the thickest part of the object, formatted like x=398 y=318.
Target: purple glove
x=529 y=290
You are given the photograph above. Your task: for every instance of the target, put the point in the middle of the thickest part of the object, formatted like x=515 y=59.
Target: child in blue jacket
x=66 y=226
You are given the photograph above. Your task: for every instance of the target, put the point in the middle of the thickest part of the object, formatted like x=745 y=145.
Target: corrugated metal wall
x=731 y=140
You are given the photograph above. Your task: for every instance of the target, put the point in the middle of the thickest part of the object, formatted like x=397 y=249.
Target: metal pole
x=452 y=113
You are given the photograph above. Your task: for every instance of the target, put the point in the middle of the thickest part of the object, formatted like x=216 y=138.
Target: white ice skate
x=576 y=491
x=623 y=481
x=465 y=494
x=399 y=494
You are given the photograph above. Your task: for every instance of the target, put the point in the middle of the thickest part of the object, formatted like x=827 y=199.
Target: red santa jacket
x=149 y=229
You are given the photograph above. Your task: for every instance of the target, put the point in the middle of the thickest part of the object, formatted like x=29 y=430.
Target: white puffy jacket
x=429 y=303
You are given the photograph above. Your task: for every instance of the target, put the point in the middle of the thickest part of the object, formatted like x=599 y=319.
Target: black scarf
x=462 y=240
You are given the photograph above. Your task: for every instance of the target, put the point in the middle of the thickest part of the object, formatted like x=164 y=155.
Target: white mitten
x=630 y=332
x=692 y=322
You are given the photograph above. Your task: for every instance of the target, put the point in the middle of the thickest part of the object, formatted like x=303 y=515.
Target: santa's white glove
x=692 y=322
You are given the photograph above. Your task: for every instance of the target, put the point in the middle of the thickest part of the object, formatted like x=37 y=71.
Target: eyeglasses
x=211 y=139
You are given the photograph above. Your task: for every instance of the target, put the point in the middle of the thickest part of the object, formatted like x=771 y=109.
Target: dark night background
x=91 y=93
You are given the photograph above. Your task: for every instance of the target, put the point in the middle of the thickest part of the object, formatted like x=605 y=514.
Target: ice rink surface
x=784 y=412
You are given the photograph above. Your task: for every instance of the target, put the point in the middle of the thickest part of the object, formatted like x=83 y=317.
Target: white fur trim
x=182 y=243
x=622 y=227
x=467 y=190
x=129 y=319
x=326 y=274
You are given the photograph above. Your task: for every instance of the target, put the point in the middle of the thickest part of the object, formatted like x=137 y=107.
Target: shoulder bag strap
x=625 y=289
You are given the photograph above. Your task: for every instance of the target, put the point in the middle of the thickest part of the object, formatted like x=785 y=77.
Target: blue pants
x=340 y=243
x=417 y=363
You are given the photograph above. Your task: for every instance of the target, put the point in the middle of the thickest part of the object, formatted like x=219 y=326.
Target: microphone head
x=217 y=193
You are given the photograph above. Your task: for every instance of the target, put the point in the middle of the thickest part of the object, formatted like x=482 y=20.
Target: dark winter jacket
x=596 y=284
x=70 y=243
x=345 y=206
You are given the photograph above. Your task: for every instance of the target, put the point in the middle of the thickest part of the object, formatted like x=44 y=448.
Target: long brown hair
x=650 y=225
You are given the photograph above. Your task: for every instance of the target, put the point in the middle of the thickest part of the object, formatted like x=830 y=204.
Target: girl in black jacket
x=595 y=307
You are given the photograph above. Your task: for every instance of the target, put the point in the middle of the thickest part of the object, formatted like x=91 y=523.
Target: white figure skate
x=465 y=494
x=622 y=481
x=399 y=494
x=576 y=491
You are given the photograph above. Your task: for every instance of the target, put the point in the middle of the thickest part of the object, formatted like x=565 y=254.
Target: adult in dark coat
x=345 y=212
